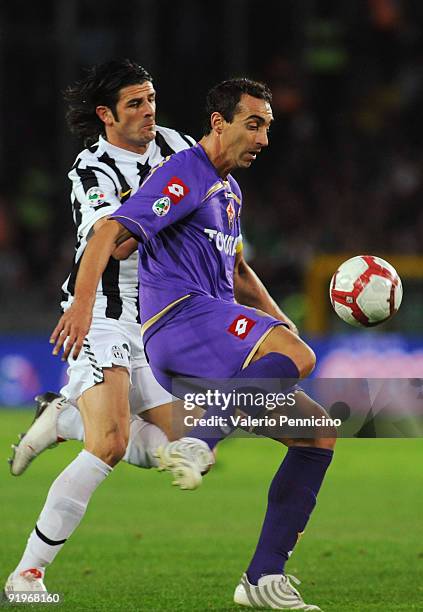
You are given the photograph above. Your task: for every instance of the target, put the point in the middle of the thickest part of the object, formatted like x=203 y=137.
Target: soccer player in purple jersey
x=186 y=219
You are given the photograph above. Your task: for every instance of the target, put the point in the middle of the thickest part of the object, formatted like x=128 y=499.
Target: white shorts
x=109 y=343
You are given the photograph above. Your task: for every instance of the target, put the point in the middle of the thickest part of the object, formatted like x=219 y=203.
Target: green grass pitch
x=146 y=546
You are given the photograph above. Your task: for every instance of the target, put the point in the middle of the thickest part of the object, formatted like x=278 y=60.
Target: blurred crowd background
x=344 y=170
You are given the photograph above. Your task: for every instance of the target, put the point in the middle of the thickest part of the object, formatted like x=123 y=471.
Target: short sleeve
x=94 y=195
x=169 y=193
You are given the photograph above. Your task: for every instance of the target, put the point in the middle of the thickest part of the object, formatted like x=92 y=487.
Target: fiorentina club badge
x=230 y=211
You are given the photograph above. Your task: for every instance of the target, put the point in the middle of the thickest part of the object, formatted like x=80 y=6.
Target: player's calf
x=308 y=412
x=323 y=435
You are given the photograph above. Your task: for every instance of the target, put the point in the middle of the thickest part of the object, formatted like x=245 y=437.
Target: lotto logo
x=176 y=189
x=241 y=327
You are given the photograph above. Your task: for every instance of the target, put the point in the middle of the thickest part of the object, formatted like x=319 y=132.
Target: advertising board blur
x=27 y=366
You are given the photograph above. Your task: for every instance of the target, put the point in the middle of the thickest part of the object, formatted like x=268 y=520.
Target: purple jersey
x=187 y=221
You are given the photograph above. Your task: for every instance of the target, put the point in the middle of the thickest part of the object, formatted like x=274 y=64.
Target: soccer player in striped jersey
x=186 y=219
x=113 y=110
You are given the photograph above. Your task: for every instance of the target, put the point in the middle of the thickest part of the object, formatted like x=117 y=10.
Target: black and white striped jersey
x=103 y=177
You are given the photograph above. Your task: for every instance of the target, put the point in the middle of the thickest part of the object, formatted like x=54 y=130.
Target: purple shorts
x=204 y=337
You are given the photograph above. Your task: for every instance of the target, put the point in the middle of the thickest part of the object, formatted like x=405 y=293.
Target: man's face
x=247 y=135
x=134 y=123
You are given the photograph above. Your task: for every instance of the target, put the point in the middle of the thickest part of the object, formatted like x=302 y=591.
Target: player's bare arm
x=74 y=324
x=250 y=291
x=124 y=250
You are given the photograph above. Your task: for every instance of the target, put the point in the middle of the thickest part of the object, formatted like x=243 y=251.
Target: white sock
x=144 y=439
x=69 y=424
x=65 y=506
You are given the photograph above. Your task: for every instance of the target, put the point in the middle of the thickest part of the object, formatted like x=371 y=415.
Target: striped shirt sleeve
x=94 y=195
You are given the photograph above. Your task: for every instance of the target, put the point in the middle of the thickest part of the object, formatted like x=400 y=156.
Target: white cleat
x=28 y=581
x=187 y=459
x=41 y=435
x=275 y=592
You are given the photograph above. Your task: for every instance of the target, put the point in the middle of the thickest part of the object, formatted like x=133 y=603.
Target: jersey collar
x=114 y=151
x=203 y=155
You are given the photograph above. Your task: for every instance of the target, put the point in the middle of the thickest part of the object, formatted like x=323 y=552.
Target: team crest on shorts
x=121 y=352
x=161 y=206
x=95 y=196
x=117 y=352
x=241 y=327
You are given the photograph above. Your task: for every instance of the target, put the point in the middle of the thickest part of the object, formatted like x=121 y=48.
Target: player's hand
x=71 y=330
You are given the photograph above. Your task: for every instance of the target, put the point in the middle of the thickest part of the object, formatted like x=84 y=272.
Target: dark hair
x=100 y=86
x=224 y=98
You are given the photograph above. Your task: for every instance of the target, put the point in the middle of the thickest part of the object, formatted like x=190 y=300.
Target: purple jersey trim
x=131 y=225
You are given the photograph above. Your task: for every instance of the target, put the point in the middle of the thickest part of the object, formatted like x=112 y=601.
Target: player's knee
x=285 y=342
x=112 y=454
x=111 y=449
x=305 y=360
x=328 y=442
x=324 y=437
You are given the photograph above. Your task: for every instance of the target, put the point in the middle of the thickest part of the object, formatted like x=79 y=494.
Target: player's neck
x=216 y=155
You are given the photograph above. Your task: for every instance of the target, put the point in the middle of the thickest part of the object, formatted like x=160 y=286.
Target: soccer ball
x=365 y=291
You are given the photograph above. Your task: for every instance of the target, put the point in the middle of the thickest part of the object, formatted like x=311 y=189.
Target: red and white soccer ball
x=365 y=291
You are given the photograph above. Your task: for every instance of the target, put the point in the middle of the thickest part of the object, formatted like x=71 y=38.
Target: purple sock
x=292 y=497
x=272 y=365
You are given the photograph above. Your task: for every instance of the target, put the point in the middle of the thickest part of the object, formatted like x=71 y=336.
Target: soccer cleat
x=187 y=459
x=41 y=435
x=28 y=581
x=275 y=592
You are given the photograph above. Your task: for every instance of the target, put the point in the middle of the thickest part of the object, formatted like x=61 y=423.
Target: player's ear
x=216 y=121
x=105 y=114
